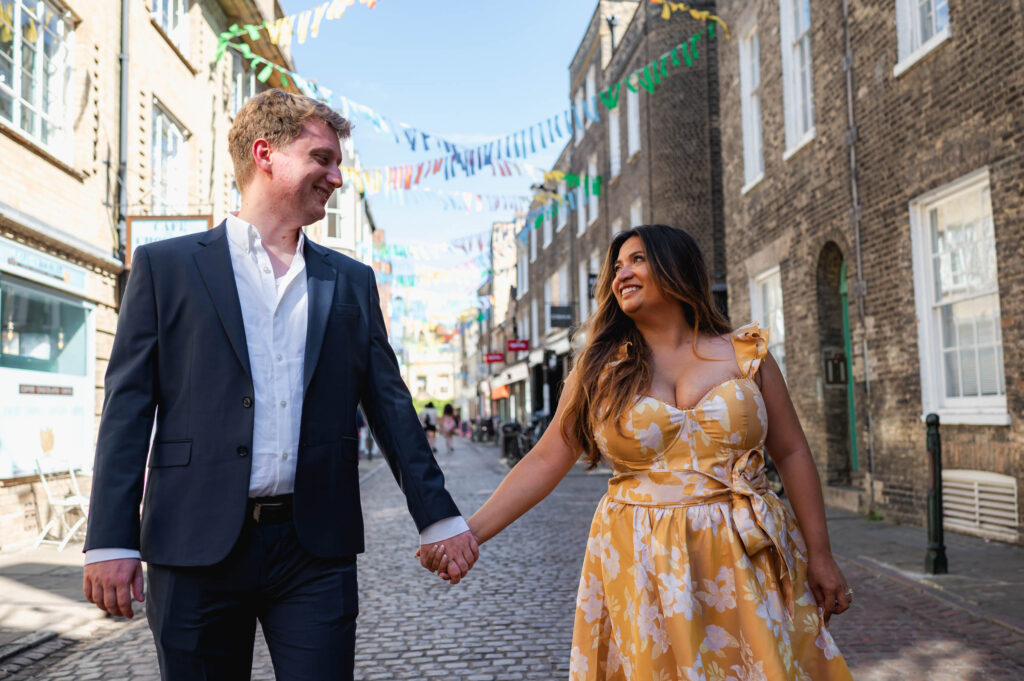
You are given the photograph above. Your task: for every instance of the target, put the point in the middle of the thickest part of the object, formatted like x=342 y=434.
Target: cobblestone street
x=512 y=618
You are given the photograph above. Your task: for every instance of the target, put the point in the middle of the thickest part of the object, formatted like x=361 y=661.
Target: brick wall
x=956 y=111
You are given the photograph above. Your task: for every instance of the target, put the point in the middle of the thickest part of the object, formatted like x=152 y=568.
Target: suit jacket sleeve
x=388 y=408
x=127 y=420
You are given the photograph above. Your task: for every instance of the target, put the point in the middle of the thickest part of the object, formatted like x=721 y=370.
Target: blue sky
x=468 y=70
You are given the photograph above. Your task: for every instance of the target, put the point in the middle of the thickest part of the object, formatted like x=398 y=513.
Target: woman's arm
x=787 y=445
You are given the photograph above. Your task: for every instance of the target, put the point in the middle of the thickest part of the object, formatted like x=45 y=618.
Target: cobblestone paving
x=512 y=618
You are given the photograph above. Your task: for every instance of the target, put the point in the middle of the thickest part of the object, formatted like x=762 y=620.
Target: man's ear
x=261 y=155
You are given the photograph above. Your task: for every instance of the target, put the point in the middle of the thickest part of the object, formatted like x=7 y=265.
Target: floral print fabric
x=694 y=570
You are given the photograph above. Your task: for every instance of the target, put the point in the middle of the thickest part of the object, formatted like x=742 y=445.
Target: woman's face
x=633 y=286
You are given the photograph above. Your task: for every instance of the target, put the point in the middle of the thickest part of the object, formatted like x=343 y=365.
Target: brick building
x=873 y=178
x=656 y=153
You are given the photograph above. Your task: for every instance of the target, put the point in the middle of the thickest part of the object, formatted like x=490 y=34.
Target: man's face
x=305 y=173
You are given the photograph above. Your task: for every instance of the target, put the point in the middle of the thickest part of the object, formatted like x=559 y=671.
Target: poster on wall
x=44 y=418
x=148 y=229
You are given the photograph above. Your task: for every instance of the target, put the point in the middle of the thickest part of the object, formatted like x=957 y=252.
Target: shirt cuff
x=100 y=555
x=444 y=529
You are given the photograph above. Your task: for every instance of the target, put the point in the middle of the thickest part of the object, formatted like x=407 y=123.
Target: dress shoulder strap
x=750 y=342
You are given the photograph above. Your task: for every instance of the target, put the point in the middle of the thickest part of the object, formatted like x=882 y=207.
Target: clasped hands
x=450 y=558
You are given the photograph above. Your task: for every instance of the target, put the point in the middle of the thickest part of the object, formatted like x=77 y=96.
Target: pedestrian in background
x=428 y=418
x=448 y=426
x=693 y=567
x=238 y=340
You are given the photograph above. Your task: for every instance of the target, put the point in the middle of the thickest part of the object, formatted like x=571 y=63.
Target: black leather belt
x=270 y=510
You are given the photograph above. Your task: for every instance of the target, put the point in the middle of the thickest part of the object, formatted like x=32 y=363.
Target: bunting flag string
x=500 y=152
x=279 y=31
x=521 y=144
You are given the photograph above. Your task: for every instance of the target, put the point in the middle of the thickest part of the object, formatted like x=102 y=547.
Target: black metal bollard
x=935 y=560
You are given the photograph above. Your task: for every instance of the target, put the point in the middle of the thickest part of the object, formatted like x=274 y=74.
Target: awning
x=500 y=393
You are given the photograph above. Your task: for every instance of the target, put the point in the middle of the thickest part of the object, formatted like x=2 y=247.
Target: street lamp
x=612 y=22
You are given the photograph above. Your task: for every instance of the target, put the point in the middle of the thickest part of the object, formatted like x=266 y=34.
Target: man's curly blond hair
x=278 y=117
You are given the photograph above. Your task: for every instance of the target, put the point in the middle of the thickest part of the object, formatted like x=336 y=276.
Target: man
x=254 y=346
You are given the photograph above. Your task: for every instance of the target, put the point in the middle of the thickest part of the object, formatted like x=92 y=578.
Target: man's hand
x=110 y=584
x=451 y=558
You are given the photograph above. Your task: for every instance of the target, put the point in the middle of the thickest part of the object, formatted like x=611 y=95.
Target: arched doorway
x=837 y=385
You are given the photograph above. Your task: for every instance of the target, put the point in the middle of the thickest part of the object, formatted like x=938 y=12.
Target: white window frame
x=243 y=82
x=980 y=410
x=909 y=31
x=522 y=275
x=632 y=123
x=532 y=227
x=581 y=211
x=776 y=325
x=584 y=299
x=547 y=223
x=616 y=226
x=534 y=330
x=593 y=205
x=636 y=212
x=169 y=184
x=172 y=18
x=614 y=144
x=547 y=302
x=27 y=114
x=577 y=115
x=797 y=134
x=563 y=207
x=591 y=93
x=750 y=105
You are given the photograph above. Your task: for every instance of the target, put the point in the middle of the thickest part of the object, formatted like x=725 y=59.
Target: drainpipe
x=122 y=165
x=860 y=287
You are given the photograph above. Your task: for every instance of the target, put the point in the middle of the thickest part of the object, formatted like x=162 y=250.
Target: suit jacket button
x=243 y=451
x=246 y=401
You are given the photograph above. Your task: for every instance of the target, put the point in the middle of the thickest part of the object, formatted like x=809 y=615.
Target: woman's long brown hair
x=605 y=390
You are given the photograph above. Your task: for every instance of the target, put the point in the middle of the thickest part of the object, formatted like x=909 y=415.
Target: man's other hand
x=110 y=584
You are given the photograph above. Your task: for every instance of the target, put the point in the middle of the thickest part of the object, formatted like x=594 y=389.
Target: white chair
x=62 y=506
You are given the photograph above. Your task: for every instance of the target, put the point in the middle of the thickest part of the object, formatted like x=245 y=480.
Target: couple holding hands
x=251 y=347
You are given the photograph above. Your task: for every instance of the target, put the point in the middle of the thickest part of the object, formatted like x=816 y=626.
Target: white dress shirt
x=275 y=313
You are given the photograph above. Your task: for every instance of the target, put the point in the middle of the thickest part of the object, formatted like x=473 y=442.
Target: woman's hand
x=828 y=585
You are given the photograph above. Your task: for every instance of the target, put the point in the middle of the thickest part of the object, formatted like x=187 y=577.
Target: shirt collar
x=245 y=236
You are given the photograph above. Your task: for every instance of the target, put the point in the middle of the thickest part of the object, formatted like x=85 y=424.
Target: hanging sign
x=561 y=316
x=494 y=357
x=517 y=345
x=144 y=230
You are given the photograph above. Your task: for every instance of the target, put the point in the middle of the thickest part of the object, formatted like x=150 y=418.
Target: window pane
x=952 y=375
x=969 y=372
x=926 y=19
x=41 y=332
x=941 y=15
x=989 y=371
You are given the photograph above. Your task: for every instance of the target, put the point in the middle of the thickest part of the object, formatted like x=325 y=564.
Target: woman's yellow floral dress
x=694 y=569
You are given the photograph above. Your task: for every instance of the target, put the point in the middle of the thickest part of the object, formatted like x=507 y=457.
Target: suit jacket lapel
x=320 y=280
x=214 y=262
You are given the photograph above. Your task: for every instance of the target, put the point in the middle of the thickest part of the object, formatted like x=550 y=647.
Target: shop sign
x=41 y=268
x=561 y=316
x=65 y=390
x=49 y=424
x=148 y=229
x=494 y=357
x=517 y=345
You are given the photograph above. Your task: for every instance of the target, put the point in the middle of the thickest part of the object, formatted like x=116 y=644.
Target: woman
x=448 y=426
x=428 y=417
x=694 y=569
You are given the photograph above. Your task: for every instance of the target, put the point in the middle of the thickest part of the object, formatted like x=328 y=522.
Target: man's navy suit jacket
x=180 y=351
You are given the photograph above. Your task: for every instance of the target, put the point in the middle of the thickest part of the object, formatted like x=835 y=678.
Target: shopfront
x=47 y=364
